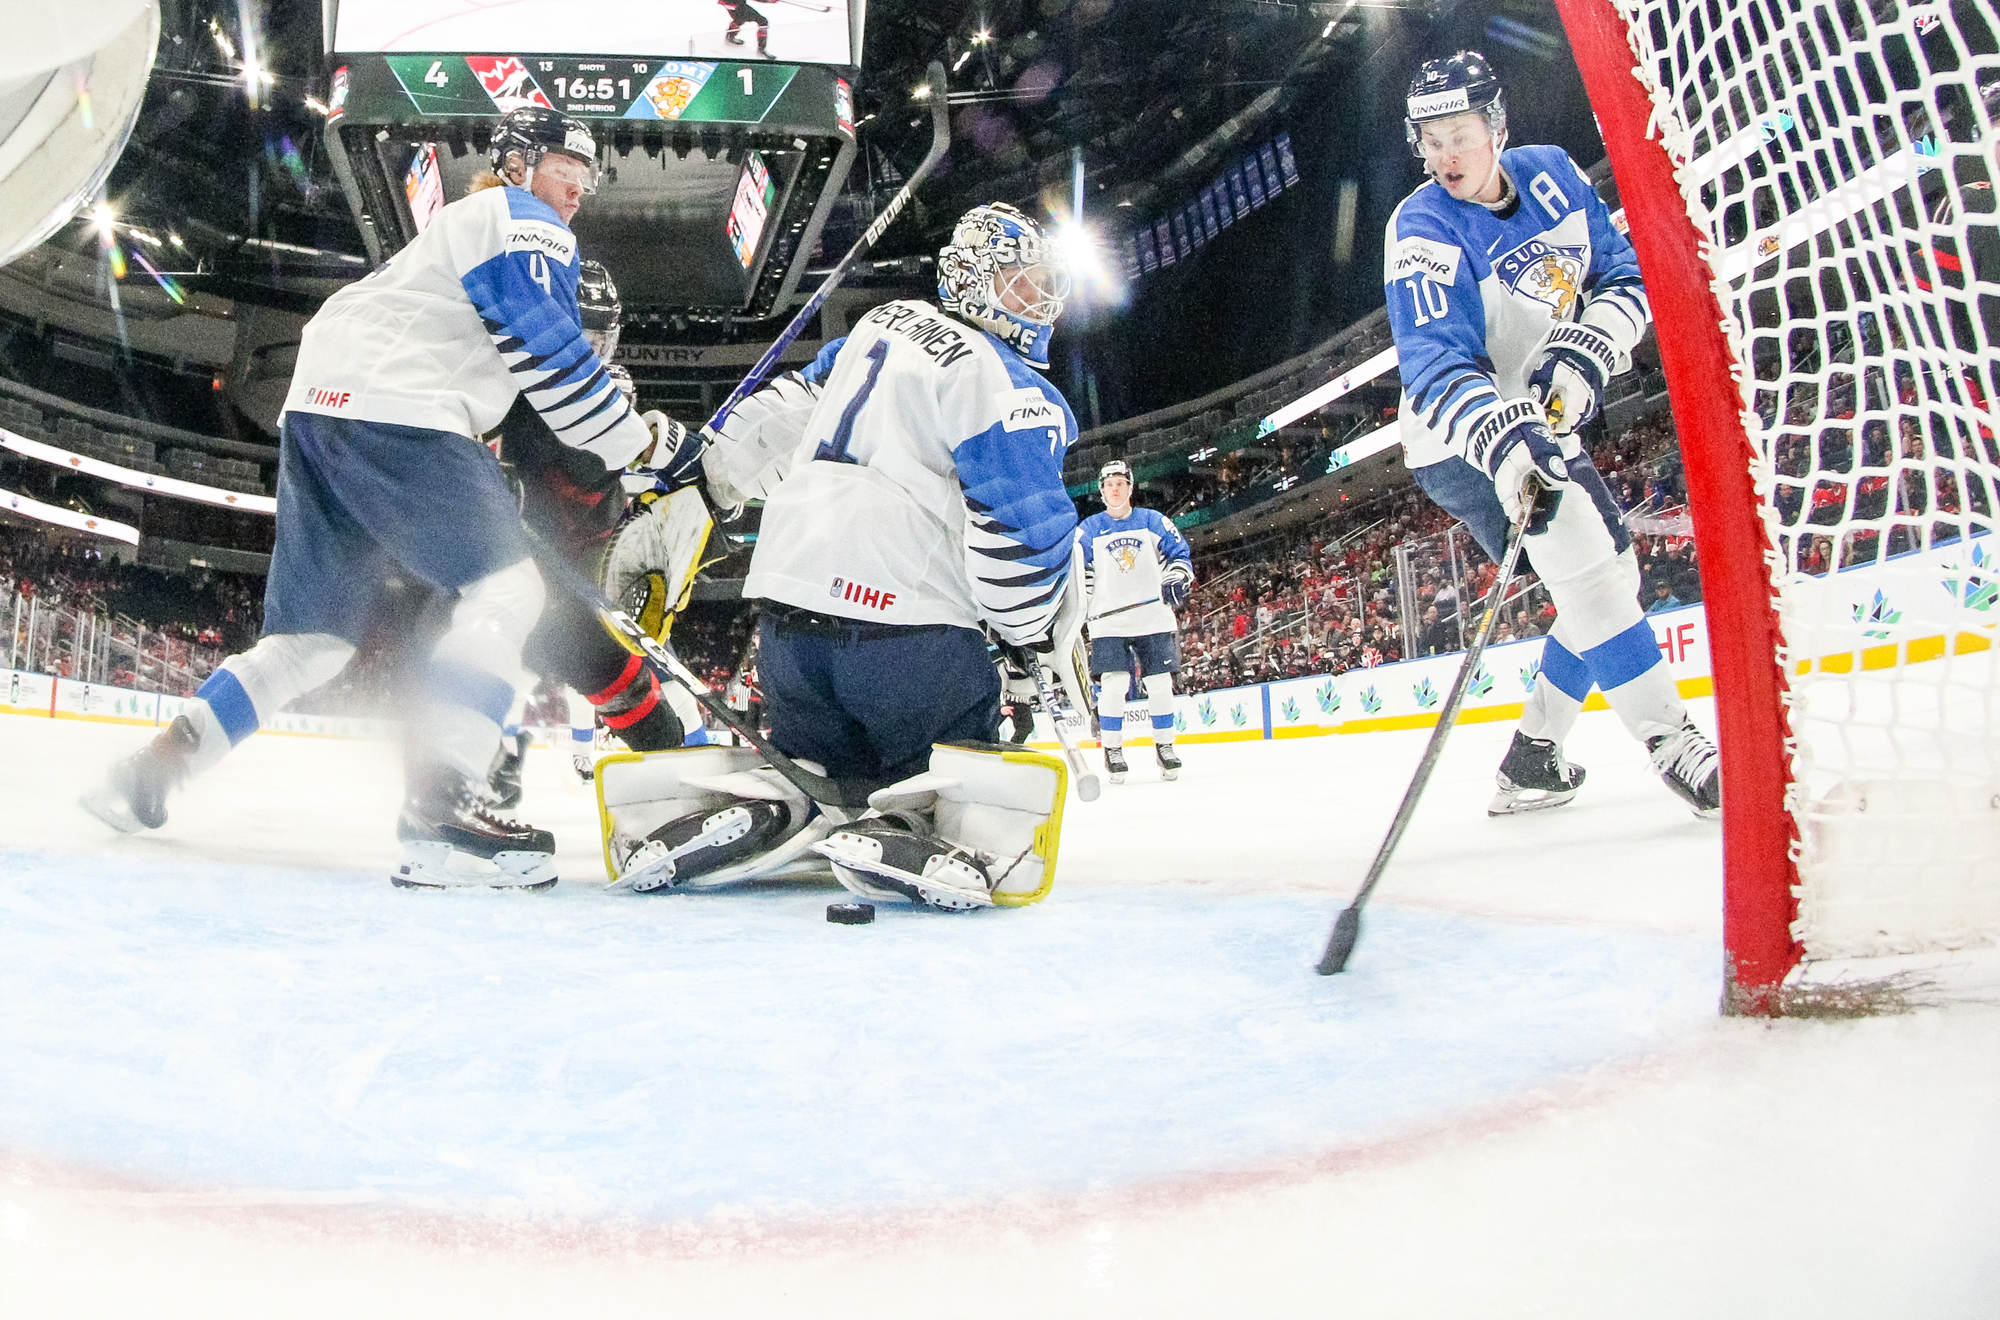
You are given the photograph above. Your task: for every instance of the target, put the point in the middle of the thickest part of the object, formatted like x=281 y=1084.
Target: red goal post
x=1833 y=416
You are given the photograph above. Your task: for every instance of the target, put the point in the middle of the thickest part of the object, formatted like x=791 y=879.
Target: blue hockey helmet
x=1459 y=84
x=998 y=256
x=534 y=131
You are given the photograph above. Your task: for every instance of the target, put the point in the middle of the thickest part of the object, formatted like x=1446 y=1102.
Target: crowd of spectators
x=1326 y=596
x=169 y=629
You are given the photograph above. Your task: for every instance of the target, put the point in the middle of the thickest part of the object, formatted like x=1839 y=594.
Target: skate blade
x=857 y=864
x=440 y=866
x=650 y=867
x=1519 y=801
x=109 y=806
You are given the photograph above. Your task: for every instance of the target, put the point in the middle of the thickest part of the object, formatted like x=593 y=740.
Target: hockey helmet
x=597 y=300
x=1460 y=84
x=998 y=255
x=1117 y=467
x=536 y=130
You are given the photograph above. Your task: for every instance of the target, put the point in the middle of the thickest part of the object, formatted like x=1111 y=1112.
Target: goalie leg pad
x=1002 y=805
x=642 y=798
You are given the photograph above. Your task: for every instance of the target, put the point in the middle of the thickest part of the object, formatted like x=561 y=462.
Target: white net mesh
x=1839 y=161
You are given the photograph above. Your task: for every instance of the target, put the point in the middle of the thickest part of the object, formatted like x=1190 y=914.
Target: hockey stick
x=940 y=143
x=1150 y=600
x=806 y=4
x=669 y=666
x=1347 y=927
x=1087 y=785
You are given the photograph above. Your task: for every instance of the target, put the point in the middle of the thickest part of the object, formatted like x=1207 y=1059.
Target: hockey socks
x=633 y=707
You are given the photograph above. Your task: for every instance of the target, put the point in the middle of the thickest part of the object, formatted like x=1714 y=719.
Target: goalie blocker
x=979 y=827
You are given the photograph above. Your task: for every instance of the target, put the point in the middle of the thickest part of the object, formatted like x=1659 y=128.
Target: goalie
x=914 y=501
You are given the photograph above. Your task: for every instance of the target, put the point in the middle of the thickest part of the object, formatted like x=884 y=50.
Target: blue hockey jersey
x=1122 y=560
x=480 y=309
x=1472 y=296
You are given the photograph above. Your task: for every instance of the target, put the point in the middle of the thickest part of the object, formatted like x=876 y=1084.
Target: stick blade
x=1340 y=944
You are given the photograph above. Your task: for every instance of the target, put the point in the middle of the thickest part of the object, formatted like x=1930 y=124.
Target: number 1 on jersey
x=835 y=450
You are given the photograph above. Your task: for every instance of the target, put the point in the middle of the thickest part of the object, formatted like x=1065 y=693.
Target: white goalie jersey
x=927 y=487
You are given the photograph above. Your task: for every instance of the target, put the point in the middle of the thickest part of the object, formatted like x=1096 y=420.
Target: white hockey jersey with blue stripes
x=446 y=333
x=1472 y=296
x=1123 y=558
x=928 y=485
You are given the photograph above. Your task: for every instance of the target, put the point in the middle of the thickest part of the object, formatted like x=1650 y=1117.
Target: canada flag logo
x=507 y=81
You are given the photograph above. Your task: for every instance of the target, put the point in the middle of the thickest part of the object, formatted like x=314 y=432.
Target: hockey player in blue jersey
x=1514 y=300
x=380 y=464
x=1139 y=570
x=914 y=503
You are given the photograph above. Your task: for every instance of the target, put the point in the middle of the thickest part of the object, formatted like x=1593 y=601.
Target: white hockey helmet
x=1117 y=467
x=998 y=256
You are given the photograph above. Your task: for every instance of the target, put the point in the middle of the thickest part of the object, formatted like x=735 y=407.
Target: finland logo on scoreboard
x=1549 y=273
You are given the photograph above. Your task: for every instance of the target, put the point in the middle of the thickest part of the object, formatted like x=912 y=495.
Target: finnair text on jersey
x=935 y=336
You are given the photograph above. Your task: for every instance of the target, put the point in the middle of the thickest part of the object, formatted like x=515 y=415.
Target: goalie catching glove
x=1568 y=377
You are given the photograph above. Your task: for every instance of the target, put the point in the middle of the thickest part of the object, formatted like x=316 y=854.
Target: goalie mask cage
x=1810 y=187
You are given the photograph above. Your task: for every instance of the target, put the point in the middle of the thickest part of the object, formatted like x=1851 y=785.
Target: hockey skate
x=503 y=785
x=1114 y=764
x=1687 y=761
x=702 y=843
x=133 y=796
x=1170 y=760
x=886 y=857
x=1533 y=777
x=452 y=840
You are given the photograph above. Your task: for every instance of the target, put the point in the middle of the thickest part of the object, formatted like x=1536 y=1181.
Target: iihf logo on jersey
x=1549 y=273
x=873 y=598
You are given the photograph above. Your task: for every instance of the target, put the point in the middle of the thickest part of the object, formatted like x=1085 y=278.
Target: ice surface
x=239 y=1072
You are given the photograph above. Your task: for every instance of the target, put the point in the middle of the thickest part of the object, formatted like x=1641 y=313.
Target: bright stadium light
x=104 y=219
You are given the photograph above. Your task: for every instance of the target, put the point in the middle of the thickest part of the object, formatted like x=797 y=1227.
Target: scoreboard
x=724 y=132
x=387 y=88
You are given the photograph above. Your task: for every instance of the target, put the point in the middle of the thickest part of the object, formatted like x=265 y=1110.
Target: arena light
x=958 y=64
x=222 y=41
x=981 y=37
x=104 y=220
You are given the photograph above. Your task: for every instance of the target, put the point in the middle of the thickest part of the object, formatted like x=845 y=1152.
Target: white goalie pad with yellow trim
x=638 y=796
x=1002 y=804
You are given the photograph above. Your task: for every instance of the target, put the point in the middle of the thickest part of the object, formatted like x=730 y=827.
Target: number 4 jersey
x=928 y=485
x=1472 y=294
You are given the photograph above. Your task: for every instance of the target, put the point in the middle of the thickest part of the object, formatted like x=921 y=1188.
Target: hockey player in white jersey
x=1514 y=300
x=1138 y=570
x=397 y=376
x=921 y=502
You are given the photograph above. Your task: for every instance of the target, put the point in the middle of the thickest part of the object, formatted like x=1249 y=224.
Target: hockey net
x=1816 y=182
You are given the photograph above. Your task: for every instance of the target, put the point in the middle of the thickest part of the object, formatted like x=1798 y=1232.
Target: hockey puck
x=850 y=914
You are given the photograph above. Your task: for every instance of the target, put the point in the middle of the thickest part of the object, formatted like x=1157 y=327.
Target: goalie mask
x=1462 y=84
x=597 y=301
x=999 y=273
x=534 y=131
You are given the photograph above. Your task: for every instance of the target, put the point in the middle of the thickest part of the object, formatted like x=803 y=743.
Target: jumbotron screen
x=791 y=31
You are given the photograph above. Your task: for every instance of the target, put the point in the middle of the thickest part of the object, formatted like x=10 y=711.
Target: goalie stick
x=1347 y=926
x=940 y=143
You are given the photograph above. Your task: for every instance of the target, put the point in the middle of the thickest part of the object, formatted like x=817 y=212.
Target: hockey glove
x=1176 y=584
x=673 y=462
x=750 y=453
x=1516 y=448
x=1569 y=374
